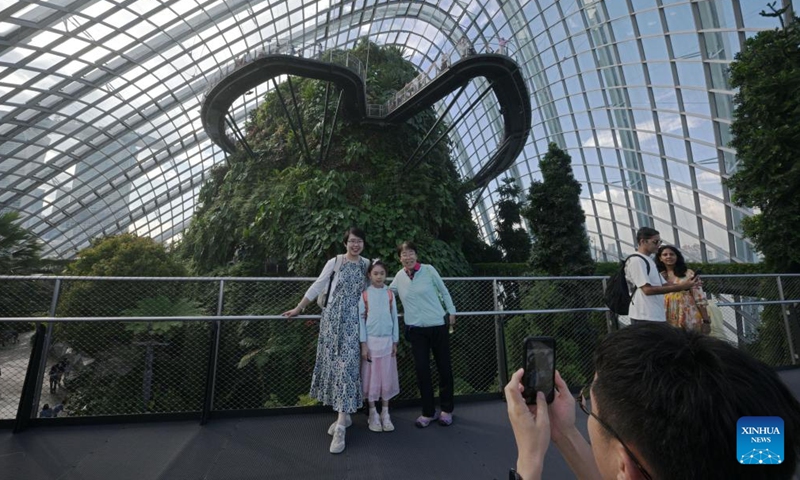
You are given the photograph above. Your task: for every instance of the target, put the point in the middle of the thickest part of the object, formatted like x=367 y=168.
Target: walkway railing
x=348 y=60
x=119 y=346
x=338 y=57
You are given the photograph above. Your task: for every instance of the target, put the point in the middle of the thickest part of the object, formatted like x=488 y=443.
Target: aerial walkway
x=344 y=70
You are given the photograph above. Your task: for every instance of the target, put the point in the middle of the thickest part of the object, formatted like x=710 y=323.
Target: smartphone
x=697 y=273
x=539 y=362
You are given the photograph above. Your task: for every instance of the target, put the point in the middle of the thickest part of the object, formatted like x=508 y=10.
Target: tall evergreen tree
x=766 y=136
x=561 y=248
x=554 y=213
x=511 y=238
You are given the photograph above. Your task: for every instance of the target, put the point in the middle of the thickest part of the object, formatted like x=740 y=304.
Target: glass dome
x=100 y=128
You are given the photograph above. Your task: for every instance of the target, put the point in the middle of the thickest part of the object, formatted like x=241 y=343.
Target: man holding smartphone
x=644 y=281
x=637 y=429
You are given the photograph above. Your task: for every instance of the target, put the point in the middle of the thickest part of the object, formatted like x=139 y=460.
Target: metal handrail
x=206 y=318
x=270 y=279
x=761 y=302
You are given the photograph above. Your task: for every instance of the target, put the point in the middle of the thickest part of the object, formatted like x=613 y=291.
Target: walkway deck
x=479 y=445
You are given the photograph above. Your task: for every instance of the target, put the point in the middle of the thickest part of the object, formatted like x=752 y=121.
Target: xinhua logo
x=759 y=440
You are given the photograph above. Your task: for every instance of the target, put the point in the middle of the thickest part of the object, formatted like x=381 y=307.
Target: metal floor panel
x=479 y=445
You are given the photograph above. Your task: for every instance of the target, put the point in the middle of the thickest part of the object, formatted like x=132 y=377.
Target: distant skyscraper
x=96 y=201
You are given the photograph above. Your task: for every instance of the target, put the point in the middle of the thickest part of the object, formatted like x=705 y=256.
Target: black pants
x=437 y=340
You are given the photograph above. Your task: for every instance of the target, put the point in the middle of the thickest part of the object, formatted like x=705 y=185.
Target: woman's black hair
x=680 y=263
x=376 y=262
x=407 y=245
x=355 y=231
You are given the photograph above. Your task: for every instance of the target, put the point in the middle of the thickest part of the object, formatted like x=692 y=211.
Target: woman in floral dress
x=686 y=309
x=337 y=371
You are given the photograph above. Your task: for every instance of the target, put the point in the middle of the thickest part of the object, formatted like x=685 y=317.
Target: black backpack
x=617 y=297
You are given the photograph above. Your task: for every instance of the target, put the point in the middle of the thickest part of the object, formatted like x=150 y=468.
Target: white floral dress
x=337 y=372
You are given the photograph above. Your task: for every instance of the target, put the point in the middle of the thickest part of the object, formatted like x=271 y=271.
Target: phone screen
x=540 y=366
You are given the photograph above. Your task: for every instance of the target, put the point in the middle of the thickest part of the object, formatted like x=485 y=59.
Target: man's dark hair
x=680 y=267
x=676 y=396
x=645 y=233
x=355 y=231
x=407 y=245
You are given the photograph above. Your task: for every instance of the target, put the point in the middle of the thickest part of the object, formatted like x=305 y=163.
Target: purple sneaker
x=423 y=421
x=446 y=419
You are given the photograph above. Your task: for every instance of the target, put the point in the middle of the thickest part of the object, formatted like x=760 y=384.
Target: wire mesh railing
x=127 y=346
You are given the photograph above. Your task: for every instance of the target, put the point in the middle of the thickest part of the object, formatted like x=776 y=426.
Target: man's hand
x=365 y=352
x=562 y=411
x=531 y=426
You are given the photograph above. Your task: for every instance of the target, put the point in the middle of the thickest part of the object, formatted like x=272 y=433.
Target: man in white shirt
x=645 y=282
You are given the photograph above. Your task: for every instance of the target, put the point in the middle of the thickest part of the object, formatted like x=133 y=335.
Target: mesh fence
x=116 y=367
x=133 y=367
x=265 y=364
x=30 y=297
x=576 y=332
x=750 y=314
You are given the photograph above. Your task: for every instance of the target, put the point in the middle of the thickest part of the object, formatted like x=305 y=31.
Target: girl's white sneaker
x=374 y=422
x=386 y=422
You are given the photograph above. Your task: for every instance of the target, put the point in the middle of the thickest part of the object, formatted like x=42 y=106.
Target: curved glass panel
x=99 y=104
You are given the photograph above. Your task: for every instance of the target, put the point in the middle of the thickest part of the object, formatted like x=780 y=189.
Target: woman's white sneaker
x=337 y=444
x=347 y=422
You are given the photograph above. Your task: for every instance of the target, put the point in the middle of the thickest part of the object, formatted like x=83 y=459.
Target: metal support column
x=213 y=359
x=500 y=339
x=785 y=314
x=740 y=341
x=37 y=365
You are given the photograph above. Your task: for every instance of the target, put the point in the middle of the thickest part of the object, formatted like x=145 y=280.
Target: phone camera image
x=539 y=362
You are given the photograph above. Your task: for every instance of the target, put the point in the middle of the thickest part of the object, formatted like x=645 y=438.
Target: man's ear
x=626 y=467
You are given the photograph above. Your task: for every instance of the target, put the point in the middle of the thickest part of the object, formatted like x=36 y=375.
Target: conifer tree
x=512 y=239
x=557 y=221
x=766 y=136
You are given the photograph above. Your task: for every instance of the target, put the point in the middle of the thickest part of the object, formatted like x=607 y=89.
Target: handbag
x=717 y=321
x=322 y=298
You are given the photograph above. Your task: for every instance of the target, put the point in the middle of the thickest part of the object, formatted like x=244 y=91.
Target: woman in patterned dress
x=686 y=309
x=337 y=371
